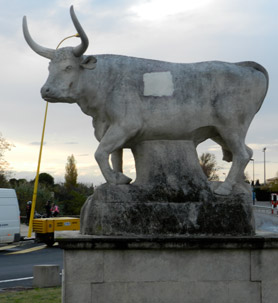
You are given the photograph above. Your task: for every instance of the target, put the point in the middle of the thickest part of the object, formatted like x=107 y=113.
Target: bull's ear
x=89 y=62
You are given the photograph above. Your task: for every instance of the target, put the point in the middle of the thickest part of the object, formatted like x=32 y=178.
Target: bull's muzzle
x=45 y=92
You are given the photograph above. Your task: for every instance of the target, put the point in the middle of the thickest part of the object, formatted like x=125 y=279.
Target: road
x=16 y=262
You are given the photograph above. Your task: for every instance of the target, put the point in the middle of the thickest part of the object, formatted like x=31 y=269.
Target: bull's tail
x=259 y=68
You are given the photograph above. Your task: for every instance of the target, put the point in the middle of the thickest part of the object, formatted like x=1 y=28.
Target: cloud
x=37 y=143
x=155 y=10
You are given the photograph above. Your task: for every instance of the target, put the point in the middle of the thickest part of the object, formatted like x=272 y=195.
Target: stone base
x=134 y=210
x=191 y=270
x=46 y=275
x=170 y=196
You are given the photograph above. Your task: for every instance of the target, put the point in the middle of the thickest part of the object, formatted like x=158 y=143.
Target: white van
x=9 y=216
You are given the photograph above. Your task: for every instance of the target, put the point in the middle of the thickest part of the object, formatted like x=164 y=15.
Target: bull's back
x=186 y=82
x=192 y=96
x=211 y=90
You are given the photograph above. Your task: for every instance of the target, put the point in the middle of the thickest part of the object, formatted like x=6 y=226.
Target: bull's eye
x=68 y=68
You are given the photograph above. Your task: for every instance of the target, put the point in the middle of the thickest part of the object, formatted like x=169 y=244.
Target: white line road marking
x=15 y=280
x=20 y=279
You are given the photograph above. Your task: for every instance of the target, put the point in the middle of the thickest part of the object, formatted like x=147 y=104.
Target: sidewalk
x=24 y=231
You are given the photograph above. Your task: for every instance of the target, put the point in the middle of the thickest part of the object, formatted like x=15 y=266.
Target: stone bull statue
x=132 y=100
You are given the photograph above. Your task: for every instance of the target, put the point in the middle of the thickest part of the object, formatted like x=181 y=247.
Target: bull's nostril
x=45 y=91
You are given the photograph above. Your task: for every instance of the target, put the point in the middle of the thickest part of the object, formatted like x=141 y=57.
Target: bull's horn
x=80 y=49
x=43 y=51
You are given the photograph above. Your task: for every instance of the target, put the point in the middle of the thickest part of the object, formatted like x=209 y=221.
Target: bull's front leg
x=117 y=160
x=113 y=140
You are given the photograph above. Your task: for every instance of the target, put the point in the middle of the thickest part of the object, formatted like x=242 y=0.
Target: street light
x=253 y=160
x=264 y=149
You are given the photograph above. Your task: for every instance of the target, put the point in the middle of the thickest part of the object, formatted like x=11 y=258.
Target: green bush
x=24 y=191
x=69 y=201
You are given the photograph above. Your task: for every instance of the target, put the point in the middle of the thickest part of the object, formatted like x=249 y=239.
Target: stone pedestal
x=170 y=269
x=172 y=166
x=119 y=210
x=167 y=238
x=170 y=196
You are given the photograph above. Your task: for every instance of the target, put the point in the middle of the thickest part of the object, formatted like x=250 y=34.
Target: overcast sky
x=170 y=30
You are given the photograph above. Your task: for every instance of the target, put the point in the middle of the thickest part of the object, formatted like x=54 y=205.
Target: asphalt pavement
x=17 y=263
x=17 y=260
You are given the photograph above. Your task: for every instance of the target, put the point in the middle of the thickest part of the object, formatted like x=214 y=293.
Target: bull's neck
x=89 y=108
x=89 y=100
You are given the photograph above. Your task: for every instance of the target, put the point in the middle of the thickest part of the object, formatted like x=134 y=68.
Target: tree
x=71 y=173
x=24 y=192
x=47 y=179
x=4 y=146
x=72 y=200
x=209 y=166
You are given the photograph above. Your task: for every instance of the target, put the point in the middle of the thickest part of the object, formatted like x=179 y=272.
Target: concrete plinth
x=46 y=275
x=166 y=270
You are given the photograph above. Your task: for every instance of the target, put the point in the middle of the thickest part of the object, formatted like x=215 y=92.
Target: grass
x=37 y=295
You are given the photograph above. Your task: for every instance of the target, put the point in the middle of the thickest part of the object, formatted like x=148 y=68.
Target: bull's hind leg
x=227 y=155
x=241 y=156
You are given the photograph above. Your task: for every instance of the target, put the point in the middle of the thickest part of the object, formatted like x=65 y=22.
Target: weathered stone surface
x=73 y=241
x=46 y=275
x=171 y=196
x=263 y=265
x=168 y=171
x=214 y=270
x=235 y=265
x=78 y=292
x=178 y=292
x=131 y=210
x=87 y=270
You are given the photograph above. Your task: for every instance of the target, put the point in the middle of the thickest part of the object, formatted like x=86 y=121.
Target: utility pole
x=264 y=149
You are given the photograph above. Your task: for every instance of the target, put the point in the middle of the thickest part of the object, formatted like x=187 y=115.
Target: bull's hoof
x=224 y=189
x=119 y=178
x=123 y=179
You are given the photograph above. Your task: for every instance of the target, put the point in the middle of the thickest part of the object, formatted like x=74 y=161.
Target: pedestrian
x=55 y=210
x=48 y=209
x=254 y=197
x=28 y=211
